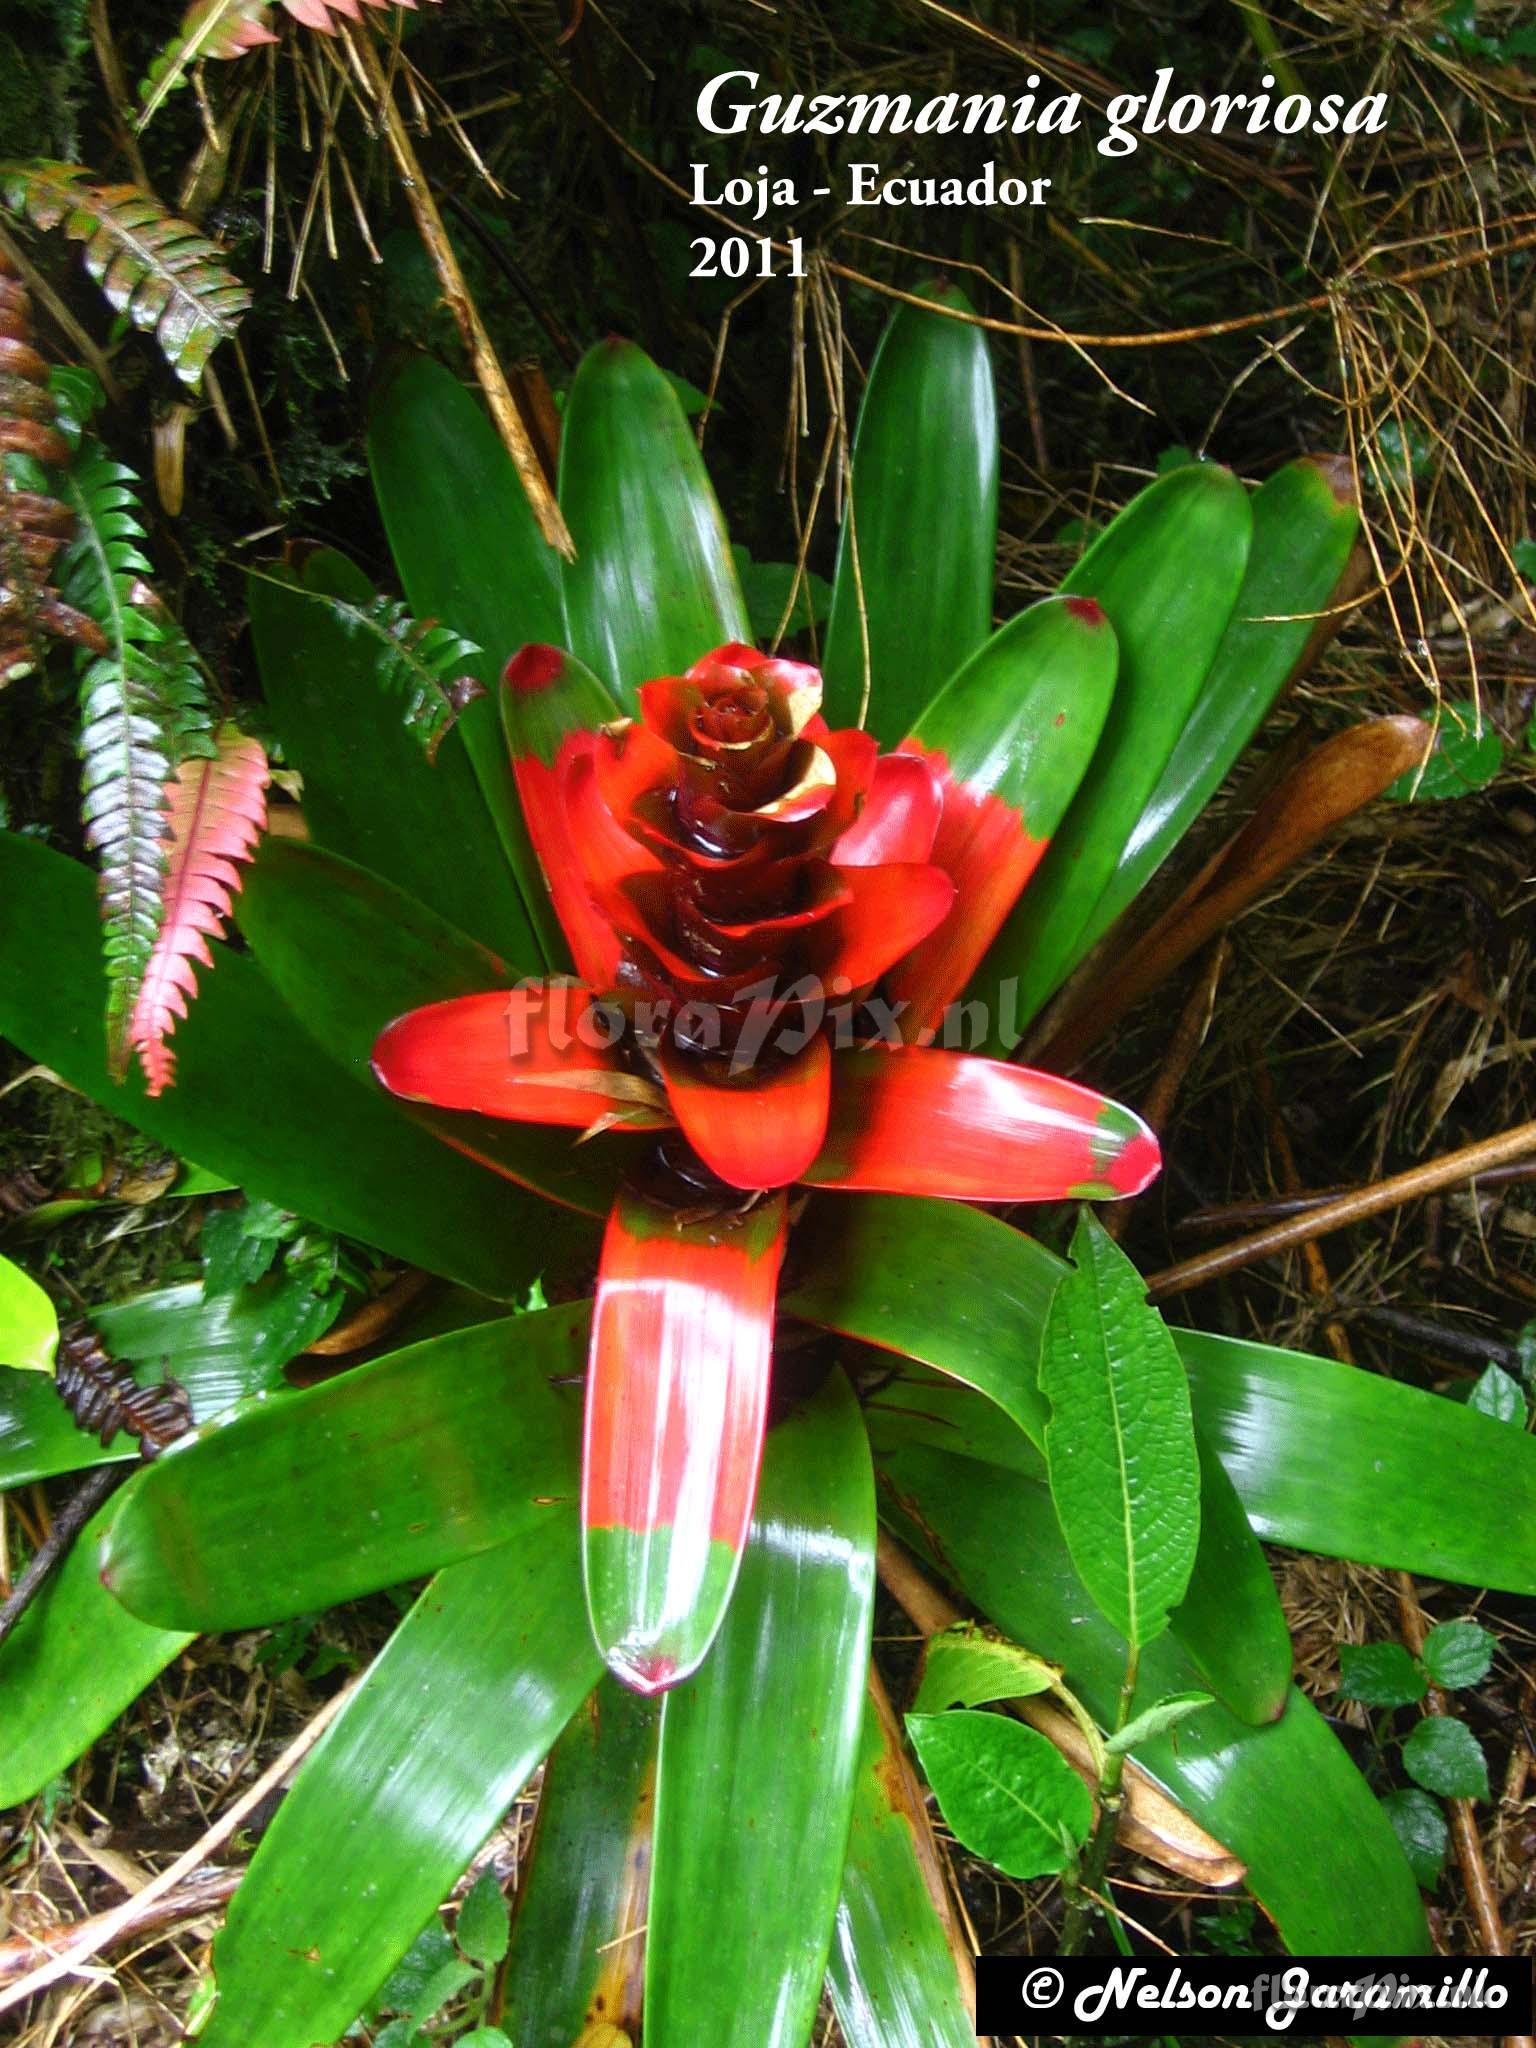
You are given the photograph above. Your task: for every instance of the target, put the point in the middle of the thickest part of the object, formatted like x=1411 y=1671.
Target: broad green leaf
x=912 y=598
x=967 y=1667
x=894 y=1969
x=483 y=1926
x=1321 y=1855
x=578 y=1944
x=369 y=791
x=416 y=1460
x=457 y=1711
x=1331 y=1458
x=1305 y=520
x=1468 y=753
x=1444 y=1756
x=1125 y=1472
x=1007 y=1793
x=470 y=554
x=1496 y=1393
x=255 y=1100
x=900 y=1273
x=1458 y=1653
x=1420 y=1826
x=1167 y=571
x=914 y=1406
x=1379 y=1675
x=73 y=1663
x=221 y=1350
x=760 y=1751
x=1230 y=1622
x=303 y=910
x=653 y=586
x=29 y=1324
x=1156 y=1720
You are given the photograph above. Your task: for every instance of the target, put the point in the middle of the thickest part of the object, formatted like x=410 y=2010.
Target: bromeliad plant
x=734 y=881
x=755 y=1086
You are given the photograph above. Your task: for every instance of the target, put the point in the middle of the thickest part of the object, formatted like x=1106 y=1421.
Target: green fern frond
x=418 y=659
x=144 y=707
x=162 y=272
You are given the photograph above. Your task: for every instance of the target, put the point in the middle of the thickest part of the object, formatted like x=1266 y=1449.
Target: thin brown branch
x=444 y=260
x=200 y=1896
x=1465 y=1163
x=103 y=1929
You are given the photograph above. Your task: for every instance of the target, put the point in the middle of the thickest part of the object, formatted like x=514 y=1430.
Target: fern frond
x=162 y=272
x=34 y=525
x=418 y=659
x=216 y=812
x=143 y=706
x=228 y=28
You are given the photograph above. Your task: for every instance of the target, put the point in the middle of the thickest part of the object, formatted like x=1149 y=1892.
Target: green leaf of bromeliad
x=653 y=586
x=1125 y=1472
x=470 y=554
x=912 y=599
x=1167 y=571
x=899 y=1973
x=460 y=1707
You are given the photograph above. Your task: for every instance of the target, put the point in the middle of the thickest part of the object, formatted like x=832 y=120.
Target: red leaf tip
x=1137 y=1166
x=533 y=668
x=1088 y=609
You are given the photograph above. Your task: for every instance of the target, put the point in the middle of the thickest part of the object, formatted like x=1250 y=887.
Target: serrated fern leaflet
x=216 y=812
x=143 y=705
x=426 y=663
x=228 y=28
x=162 y=272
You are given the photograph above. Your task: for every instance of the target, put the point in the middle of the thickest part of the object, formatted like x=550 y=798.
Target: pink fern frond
x=217 y=810
x=317 y=13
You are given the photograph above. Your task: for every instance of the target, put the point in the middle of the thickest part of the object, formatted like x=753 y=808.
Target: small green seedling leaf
x=1007 y=1794
x=401 y=2034
x=1400 y=457
x=484 y=1925
x=1497 y=1393
x=1124 y=1469
x=965 y=1666
x=1467 y=755
x=766 y=588
x=1444 y=1756
x=1380 y=1675
x=29 y=1325
x=1419 y=1824
x=1157 y=1720
x=1458 y=1653
x=1524 y=553
x=484 y=2037
x=414 y=1977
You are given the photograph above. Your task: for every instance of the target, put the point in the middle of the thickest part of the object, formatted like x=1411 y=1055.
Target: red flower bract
x=734 y=880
